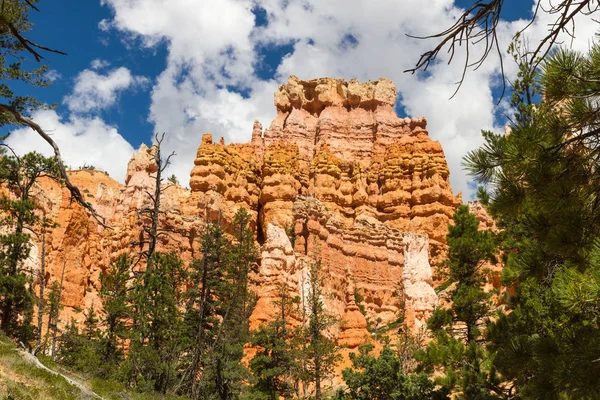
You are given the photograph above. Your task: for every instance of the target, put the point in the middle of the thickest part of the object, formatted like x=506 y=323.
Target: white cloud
x=212 y=47
x=53 y=75
x=81 y=141
x=94 y=92
x=208 y=54
x=99 y=64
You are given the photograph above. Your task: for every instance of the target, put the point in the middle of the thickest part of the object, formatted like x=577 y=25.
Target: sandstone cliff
x=365 y=191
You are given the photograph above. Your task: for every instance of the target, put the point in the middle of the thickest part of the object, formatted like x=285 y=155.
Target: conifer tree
x=543 y=190
x=155 y=341
x=203 y=306
x=18 y=216
x=275 y=359
x=383 y=378
x=114 y=294
x=90 y=324
x=45 y=224
x=457 y=348
x=54 y=307
x=223 y=374
x=79 y=350
x=319 y=355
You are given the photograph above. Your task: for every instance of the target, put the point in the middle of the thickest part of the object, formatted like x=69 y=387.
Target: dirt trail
x=30 y=358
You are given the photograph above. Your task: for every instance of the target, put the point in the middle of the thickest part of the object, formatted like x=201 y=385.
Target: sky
x=187 y=67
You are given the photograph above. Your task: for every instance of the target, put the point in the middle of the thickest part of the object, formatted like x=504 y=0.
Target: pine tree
x=114 y=294
x=275 y=359
x=90 y=324
x=203 y=306
x=319 y=355
x=54 y=307
x=45 y=224
x=457 y=347
x=224 y=375
x=18 y=216
x=543 y=181
x=79 y=350
x=383 y=378
x=155 y=342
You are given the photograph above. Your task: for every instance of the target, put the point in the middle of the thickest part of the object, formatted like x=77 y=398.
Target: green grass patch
x=25 y=381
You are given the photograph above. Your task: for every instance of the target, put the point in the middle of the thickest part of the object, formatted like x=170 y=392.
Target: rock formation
x=357 y=187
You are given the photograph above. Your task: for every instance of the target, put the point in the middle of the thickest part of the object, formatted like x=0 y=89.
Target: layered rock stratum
x=337 y=176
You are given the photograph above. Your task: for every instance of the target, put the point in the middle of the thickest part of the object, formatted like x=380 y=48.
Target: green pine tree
x=77 y=350
x=155 y=344
x=543 y=183
x=383 y=378
x=203 y=306
x=457 y=349
x=276 y=355
x=114 y=294
x=19 y=174
x=319 y=355
x=224 y=375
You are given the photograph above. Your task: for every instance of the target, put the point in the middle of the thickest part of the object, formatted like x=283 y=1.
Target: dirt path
x=30 y=358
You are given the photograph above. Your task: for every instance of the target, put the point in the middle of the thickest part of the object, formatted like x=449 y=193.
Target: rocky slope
x=363 y=190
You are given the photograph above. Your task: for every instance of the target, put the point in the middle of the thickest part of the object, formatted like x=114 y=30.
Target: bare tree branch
x=477 y=27
x=74 y=190
x=28 y=44
x=30 y=4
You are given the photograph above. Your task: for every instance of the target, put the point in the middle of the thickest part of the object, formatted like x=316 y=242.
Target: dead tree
x=152 y=232
x=477 y=27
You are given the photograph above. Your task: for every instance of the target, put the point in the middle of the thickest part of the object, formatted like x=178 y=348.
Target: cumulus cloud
x=53 y=75
x=95 y=92
x=81 y=140
x=85 y=139
x=211 y=83
x=99 y=64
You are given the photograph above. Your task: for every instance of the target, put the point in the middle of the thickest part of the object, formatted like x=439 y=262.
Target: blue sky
x=139 y=66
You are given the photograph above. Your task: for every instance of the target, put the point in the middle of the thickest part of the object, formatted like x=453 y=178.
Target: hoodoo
x=336 y=176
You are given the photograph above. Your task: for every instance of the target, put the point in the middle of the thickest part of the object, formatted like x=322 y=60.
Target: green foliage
x=457 y=349
x=87 y=167
x=290 y=231
x=16 y=59
x=53 y=306
x=155 y=337
x=173 y=179
x=383 y=378
x=543 y=185
x=114 y=294
x=78 y=351
x=223 y=373
x=201 y=319
x=18 y=217
x=318 y=356
x=274 y=364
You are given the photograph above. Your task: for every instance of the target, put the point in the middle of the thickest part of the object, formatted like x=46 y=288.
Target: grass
x=20 y=380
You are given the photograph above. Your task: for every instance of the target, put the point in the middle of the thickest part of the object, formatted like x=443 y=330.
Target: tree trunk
x=42 y=284
x=56 y=317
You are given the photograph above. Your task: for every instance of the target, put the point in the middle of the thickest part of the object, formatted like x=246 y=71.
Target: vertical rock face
x=352 y=184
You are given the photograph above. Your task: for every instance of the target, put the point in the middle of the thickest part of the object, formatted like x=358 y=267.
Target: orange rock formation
x=363 y=190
